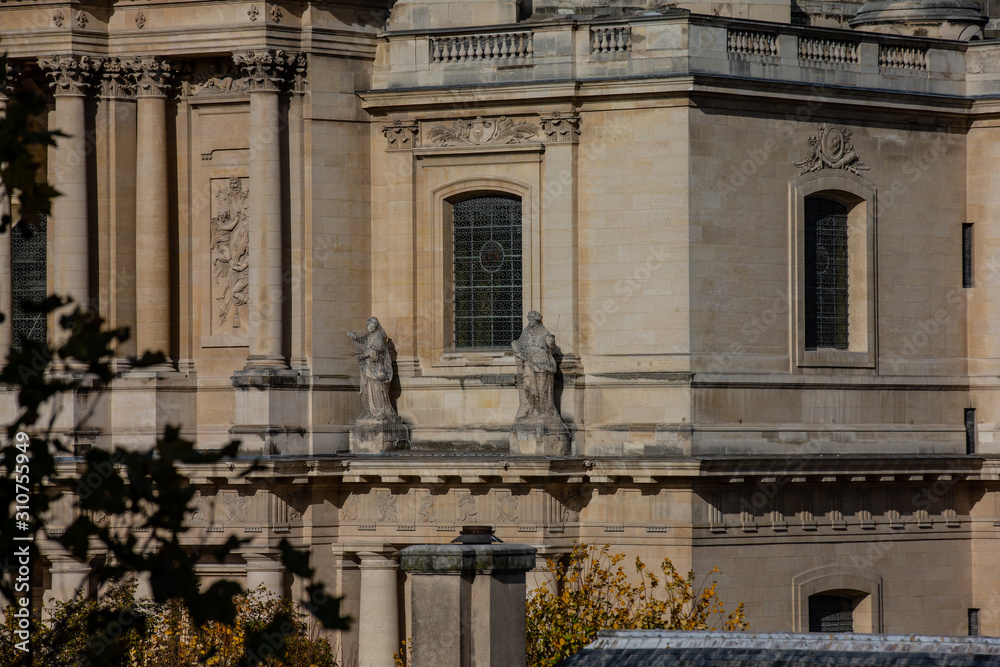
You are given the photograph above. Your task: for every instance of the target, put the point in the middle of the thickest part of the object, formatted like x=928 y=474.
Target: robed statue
x=379 y=427
x=538 y=428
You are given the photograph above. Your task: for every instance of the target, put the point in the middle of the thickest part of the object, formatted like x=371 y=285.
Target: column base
x=265 y=362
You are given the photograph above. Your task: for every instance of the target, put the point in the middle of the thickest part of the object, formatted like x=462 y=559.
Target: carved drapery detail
x=230 y=229
x=401 y=134
x=69 y=75
x=831 y=148
x=480 y=131
x=215 y=77
x=151 y=75
x=561 y=129
x=115 y=79
x=265 y=70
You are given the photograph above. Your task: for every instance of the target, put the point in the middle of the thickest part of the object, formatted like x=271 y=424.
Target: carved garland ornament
x=481 y=131
x=831 y=148
x=231 y=251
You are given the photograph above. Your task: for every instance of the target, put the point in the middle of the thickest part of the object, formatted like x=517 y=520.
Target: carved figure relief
x=236 y=506
x=386 y=507
x=350 y=509
x=481 y=131
x=831 y=148
x=231 y=253
x=467 y=508
x=507 y=509
x=426 y=510
x=215 y=77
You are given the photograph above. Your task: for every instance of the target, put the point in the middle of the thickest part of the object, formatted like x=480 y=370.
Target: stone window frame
x=862 y=583
x=860 y=197
x=441 y=199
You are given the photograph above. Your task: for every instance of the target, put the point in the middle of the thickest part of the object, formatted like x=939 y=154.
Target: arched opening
x=486 y=269
x=839 y=611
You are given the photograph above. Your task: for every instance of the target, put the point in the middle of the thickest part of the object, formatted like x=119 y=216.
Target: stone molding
x=559 y=128
x=831 y=148
x=152 y=75
x=70 y=75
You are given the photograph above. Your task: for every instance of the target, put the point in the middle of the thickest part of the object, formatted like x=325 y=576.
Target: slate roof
x=663 y=648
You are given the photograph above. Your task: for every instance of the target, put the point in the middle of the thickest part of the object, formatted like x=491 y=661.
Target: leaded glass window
x=487 y=261
x=831 y=613
x=27 y=249
x=826 y=274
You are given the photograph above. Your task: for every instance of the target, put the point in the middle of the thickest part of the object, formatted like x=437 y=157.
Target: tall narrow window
x=487 y=259
x=973 y=622
x=826 y=289
x=831 y=613
x=970 y=430
x=27 y=249
x=967 y=255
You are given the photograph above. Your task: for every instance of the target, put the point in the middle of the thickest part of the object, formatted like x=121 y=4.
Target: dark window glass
x=831 y=613
x=27 y=249
x=826 y=274
x=970 y=430
x=487 y=257
x=966 y=255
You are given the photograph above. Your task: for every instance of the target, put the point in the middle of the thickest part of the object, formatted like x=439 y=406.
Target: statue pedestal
x=374 y=436
x=539 y=436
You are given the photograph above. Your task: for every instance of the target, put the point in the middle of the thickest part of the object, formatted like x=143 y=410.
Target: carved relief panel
x=230 y=255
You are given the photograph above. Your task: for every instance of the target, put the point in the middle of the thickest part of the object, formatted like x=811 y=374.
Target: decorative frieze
x=401 y=134
x=560 y=128
x=831 y=148
x=230 y=234
x=507 y=508
x=467 y=511
x=482 y=131
x=69 y=75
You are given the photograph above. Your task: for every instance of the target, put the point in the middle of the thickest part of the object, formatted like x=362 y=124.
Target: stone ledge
x=467 y=559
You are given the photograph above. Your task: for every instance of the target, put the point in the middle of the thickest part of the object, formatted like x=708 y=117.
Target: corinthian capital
x=265 y=70
x=151 y=76
x=69 y=75
x=115 y=81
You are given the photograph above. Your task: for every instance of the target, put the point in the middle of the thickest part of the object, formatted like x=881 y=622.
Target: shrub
x=593 y=592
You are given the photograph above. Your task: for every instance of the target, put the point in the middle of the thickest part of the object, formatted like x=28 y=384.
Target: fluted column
x=266 y=72
x=70 y=81
x=152 y=212
x=378 y=622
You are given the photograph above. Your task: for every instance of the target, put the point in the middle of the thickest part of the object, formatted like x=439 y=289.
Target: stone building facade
x=766 y=249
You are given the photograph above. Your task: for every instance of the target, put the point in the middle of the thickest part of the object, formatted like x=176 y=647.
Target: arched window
x=826 y=274
x=487 y=270
x=28 y=256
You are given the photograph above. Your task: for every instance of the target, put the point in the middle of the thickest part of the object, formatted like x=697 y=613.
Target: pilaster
x=378 y=623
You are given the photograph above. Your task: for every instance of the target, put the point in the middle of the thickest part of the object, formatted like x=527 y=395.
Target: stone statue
x=538 y=428
x=379 y=427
